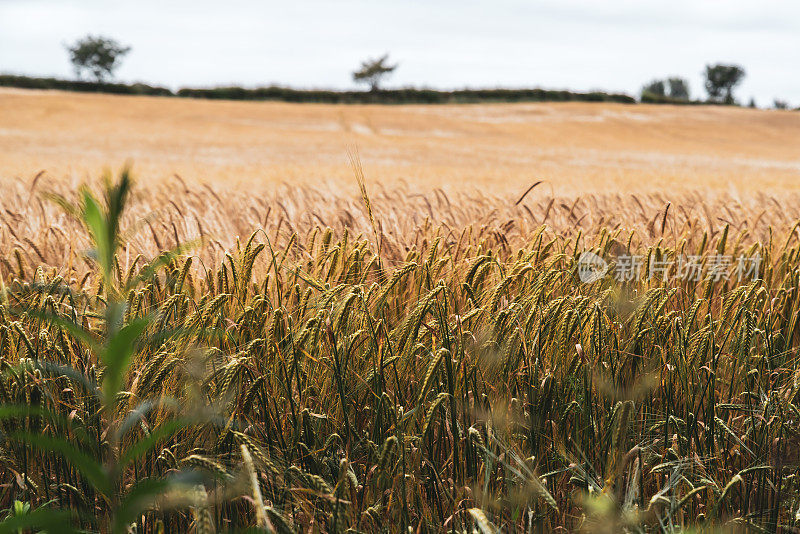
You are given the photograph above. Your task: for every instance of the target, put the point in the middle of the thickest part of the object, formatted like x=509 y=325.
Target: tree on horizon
x=373 y=71
x=98 y=55
x=721 y=80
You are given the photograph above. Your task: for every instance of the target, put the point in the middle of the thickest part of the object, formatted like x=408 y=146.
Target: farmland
x=269 y=334
x=575 y=147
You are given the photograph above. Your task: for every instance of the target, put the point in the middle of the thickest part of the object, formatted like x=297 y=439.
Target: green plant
x=97 y=451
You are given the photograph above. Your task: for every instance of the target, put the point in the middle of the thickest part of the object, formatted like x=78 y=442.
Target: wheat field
x=382 y=325
x=574 y=147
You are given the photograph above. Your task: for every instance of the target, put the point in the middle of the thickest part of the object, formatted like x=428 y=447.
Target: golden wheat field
x=313 y=318
x=575 y=147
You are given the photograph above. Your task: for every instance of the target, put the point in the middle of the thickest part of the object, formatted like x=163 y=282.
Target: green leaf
x=89 y=468
x=98 y=230
x=118 y=353
x=57 y=420
x=10 y=411
x=144 y=494
x=13 y=411
x=159 y=434
x=138 y=414
x=139 y=498
x=73 y=329
x=42 y=519
x=58 y=371
x=116 y=197
x=158 y=263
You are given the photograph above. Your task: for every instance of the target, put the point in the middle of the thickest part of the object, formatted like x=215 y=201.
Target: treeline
x=286 y=94
x=650 y=98
x=27 y=82
x=402 y=96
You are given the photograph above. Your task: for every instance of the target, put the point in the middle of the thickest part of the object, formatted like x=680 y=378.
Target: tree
x=372 y=71
x=678 y=88
x=654 y=88
x=721 y=80
x=674 y=87
x=97 y=55
x=780 y=104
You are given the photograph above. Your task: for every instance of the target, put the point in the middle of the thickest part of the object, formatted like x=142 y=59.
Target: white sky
x=614 y=45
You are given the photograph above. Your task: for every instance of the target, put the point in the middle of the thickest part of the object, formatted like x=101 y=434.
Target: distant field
x=576 y=147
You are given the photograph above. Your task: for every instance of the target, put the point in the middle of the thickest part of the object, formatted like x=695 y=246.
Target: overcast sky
x=614 y=45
